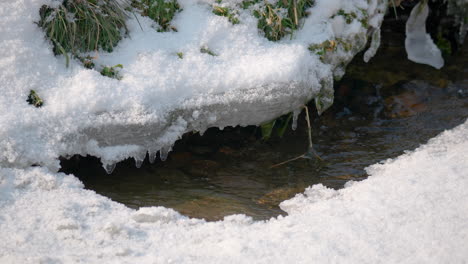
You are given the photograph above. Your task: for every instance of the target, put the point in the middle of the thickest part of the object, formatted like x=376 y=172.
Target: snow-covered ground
x=413 y=209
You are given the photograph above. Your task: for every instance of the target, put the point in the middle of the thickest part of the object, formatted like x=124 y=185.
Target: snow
x=161 y=96
x=412 y=209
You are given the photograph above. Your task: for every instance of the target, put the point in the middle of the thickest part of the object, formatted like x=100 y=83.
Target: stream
x=381 y=109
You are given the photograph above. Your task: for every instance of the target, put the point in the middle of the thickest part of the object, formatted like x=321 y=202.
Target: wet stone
x=211 y=208
x=346 y=177
x=276 y=196
x=404 y=105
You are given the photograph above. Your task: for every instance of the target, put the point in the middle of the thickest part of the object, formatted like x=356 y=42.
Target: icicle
x=374 y=46
x=109 y=167
x=163 y=153
x=138 y=162
x=295 y=116
x=201 y=132
x=325 y=98
x=139 y=158
x=152 y=156
x=419 y=45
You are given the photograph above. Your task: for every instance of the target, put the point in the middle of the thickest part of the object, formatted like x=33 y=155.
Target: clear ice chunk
x=374 y=46
x=419 y=45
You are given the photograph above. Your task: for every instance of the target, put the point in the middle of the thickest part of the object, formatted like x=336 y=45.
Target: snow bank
x=161 y=96
x=413 y=209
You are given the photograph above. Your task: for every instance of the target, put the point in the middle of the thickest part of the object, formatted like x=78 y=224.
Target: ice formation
x=419 y=45
x=161 y=96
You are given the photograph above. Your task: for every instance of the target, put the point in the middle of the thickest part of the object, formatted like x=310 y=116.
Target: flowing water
x=382 y=109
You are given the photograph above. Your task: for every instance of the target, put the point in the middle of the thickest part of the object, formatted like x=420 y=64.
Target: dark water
x=382 y=109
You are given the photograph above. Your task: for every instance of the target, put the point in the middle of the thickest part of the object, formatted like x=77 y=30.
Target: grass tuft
x=279 y=19
x=83 y=25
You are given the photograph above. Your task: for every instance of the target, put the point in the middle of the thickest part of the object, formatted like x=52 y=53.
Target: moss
x=444 y=45
x=365 y=18
x=248 y=3
x=346 y=45
x=34 y=99
x=87 y=61
x=206 y=50
x=112 y=72
x=226 y=12
x=324 y=47
x=349 y=17
x=161 y=11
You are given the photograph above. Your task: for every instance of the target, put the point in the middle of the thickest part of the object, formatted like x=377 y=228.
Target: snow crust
x=161 y=97
x=412 y=209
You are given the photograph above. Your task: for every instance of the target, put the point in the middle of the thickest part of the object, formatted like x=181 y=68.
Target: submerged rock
x=404 y=105
x=276 y=196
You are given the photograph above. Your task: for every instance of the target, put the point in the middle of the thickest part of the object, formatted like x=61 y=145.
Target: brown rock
x=211 y=208
x=276 y=196
x=404 y=105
